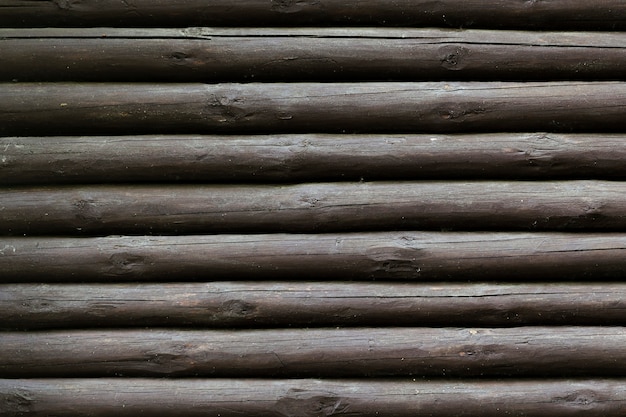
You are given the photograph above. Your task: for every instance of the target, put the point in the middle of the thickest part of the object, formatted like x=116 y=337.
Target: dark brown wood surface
x=308 y=398
x=306 y=304
x=213 y=55
x=300 y=158
x=415 y=196
x=117 y=108
x=362 y=256
x=355 y=352
x=314 y=207
x=547 y=15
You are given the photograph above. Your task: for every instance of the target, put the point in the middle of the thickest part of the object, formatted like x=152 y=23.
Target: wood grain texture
x=302 y=158
x=361 y=352
x=314 y=207
x=309 y=398
x=211 y=286
x=309 y=304
x=218 y=55
x=117 y=108
x=361 y=256
x=547 y=15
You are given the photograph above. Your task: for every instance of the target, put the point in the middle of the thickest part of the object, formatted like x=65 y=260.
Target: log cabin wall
x=312 y=208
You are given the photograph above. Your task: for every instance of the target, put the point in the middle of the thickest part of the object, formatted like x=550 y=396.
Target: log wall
x=312 y=208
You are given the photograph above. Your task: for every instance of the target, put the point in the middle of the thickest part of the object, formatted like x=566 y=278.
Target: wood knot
x=301 y=403
x=66 y=4
x=453 y=57
x=18 y=401
x=86 y=209
x=179 y=56
x=460 y=112
x=237 y=308
x=291 y=6
x=580 y=399
x=124 y=263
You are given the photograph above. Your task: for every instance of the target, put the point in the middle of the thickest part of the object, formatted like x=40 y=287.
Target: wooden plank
x=314 y=207
x=307 y=304
x=361 y=256
x=304 y=398
x=302 y=158
x=357 y=352
x=118 y=108
x=555 y=14
x=207 y=55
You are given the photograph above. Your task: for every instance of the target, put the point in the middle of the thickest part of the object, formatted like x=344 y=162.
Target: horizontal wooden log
x=313 y=207
x=308 y=54
x=555 y=14
x=306 y=158
x=360 y=256
x=118 y=108
x=306 y=398
x=254 y=304
x=360 y=352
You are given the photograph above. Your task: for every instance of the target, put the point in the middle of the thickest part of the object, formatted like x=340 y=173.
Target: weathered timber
x=390 y=256
x=357 y=352
x=118 y=108
x=313 y=207
x=215 y=55
x=264 y=304
x=302 y=158
x=112 y=397
x=550 y=15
